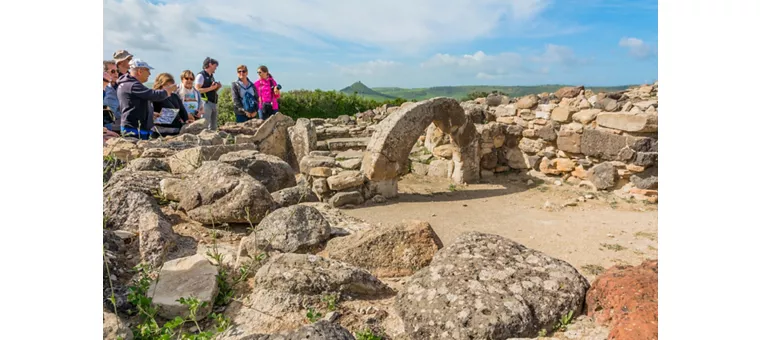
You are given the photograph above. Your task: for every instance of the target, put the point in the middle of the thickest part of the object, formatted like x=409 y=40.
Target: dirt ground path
x=591 y=235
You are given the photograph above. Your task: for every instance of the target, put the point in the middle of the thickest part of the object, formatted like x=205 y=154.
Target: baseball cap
x=121 y=55
x=137 y=63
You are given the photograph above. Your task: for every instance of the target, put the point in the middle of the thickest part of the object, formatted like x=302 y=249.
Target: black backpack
x=108 y=116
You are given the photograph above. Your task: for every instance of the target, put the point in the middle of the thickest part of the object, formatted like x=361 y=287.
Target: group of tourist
x=131 y=109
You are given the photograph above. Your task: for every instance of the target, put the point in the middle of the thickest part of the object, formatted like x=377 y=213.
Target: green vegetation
x=309 y=104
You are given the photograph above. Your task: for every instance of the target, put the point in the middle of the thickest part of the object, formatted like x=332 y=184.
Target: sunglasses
x=188 y=79
x=242 y=71
x=112 y=71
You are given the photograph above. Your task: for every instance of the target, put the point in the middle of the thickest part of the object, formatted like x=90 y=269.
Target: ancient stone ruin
x=244 y=221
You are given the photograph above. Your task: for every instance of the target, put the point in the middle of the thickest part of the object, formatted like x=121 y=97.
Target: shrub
x=309 y=104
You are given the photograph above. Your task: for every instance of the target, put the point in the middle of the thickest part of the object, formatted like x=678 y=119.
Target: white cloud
x=400 y=25
x=561 y=55
x=637 y=48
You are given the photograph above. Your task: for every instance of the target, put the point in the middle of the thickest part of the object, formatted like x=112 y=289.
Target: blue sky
x=329 y=44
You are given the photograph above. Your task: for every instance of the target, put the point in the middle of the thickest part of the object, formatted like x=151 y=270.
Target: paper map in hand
x=167 y=116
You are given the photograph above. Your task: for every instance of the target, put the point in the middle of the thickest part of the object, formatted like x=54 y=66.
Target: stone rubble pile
x=398 y=279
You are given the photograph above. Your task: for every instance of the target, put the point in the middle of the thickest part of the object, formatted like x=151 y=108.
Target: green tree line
x=309 y=104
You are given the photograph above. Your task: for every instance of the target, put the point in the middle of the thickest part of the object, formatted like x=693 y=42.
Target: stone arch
x=394 y=138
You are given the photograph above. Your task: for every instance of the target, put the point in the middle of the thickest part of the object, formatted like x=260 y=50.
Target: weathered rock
x=531 y=145
x=188 y=160
x=157 y=153
x=527 y=102
x=516 y=159
x=274 y=173
x=243 y=139
x=294 y=229
x=218 y=192
x=303 y=138
x=489 y=161
x=149 y=164
x=195 y=127
x=289 y=196
x=440 y=168
x=321 y=171
x=444 y=151
x=156 y=237
x=351 y=164
x=625 y=298
x=486 y=287
x=114 y=328
x=547 y=132
x=505 y=110
x=645 y=159
x=604 y=145
x=391 y=144
x=493 y=99
x=586 y=116
x=568 y=92
x=556 y=166
x=628 y=122
x=527 y=114
x=569 y=142
x=419 y=168
x=607 y=104
x=389 y=251
x=603 y=176
x=320 y=186
x=209 y=137
x=128 y=195
x=309 y=162
x=187 y=277
x=646 y=179
x=320 y=330
x=345 y=180
x=272 y=138
x=344 y=198
x=121 y=149
x=304 y=274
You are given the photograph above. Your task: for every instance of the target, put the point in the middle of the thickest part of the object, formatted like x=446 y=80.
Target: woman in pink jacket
x=268 y=91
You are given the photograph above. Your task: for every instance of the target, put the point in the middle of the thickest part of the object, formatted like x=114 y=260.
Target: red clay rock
x=625 y=298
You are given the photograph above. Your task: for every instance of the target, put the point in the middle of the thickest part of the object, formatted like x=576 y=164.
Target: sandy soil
x=592 y=235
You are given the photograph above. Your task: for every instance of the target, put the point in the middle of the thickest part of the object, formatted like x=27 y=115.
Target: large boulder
x=628 y=122
x=187 y=277
x=527 y=102
x=274 y=173
x=484 y=286
x=625 y=298
x=303 y=138
x=272 y=137
x=294 y=229
x=388 y=251
x=218 y=192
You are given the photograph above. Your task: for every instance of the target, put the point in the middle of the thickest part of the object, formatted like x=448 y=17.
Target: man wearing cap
x=207 y=86
x=136 y=100
x=122 y=58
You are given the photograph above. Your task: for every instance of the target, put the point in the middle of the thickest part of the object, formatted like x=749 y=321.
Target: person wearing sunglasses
x=110 y=100
x=268 y=91
x=191 y=98
x=244 y=96
x=169 y=114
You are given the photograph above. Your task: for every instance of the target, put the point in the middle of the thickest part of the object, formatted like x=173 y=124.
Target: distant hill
x=366 y=92
x=460 y=92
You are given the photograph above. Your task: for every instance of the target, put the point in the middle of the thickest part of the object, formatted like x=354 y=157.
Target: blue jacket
x=112 y=101
x=136 y=103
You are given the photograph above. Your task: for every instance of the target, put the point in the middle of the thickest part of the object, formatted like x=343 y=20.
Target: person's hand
x=156 y=115
x=276 y=91
x=190 y=118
